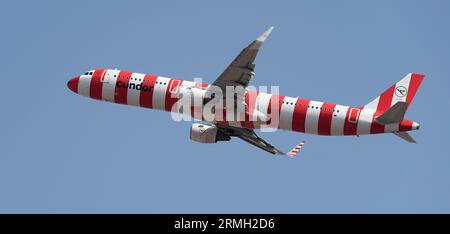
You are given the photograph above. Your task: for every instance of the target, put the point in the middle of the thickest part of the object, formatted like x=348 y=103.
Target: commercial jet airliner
x=236 y=111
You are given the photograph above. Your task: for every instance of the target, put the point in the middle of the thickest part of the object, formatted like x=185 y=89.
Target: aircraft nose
x=73 y=84
x=415 y=126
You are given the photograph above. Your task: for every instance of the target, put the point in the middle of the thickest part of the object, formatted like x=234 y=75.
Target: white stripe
x=260 y=111
x=159 y=93
x=109 y=85
x=312 y=117
x=287 y=112
x=402 y=83
x=365 y=121
x=396 y=98
x=84 y=85
x=187 y=83
x=337 y=122
x=133 y=95
x=373 y=105
x=366 y=117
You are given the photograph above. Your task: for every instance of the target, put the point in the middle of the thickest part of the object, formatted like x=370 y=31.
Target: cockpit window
x=86 y=73
x=89 y=73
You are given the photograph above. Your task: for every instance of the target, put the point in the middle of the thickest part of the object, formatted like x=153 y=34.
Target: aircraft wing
x=250 y=136
x=240 y=71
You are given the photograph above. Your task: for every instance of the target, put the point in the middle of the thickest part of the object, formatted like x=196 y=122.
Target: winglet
x=294 y=151
x=265 y=35
x=258 y=42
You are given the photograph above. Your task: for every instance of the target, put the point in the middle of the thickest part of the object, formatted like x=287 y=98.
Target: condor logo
x=144 y=88
x=401 y=91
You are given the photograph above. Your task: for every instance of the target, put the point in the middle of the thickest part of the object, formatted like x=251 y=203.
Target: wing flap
x=250 y=136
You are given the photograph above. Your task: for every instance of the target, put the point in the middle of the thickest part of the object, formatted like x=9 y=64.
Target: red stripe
x=383 y=104
x=95 y=90
x=120 y=95
x=350 y=128
x=250 y=100
x=167 y=107
x=274 y=99
x=201 y=85
x=197 y=112
x=326 y=114
x=299 y=117
x=172 y=87
x=386 y=99
x=73 y=84
x=224 y=121
x=414 y=84
x=146 y=97
x=405 y=125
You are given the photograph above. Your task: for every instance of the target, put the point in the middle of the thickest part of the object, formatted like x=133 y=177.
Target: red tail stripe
x=385 y=99
x=384 y=103
x=405 y=125
x=414 y=84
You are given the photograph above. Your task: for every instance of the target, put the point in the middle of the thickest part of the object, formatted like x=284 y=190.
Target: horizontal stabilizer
x=395 y=114
x=405 y=136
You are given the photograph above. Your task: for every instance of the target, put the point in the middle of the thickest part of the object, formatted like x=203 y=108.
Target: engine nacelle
x=207 y=134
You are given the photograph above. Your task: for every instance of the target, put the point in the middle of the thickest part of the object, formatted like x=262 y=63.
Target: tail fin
x=402 y=91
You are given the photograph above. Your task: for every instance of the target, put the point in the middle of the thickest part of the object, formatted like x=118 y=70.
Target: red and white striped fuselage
x=295 y=114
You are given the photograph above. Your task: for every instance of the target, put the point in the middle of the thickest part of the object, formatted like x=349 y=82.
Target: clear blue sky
x=61 y=152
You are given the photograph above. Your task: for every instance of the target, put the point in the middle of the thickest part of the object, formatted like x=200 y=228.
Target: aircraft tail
x=402 y=91
x=390 y=107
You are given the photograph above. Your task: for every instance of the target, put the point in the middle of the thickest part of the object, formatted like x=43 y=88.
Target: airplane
x=384 y=114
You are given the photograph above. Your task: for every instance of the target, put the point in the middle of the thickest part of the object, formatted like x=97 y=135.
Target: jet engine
x=207 y=134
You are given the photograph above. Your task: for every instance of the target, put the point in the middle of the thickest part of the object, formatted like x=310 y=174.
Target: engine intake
x=207 y=134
